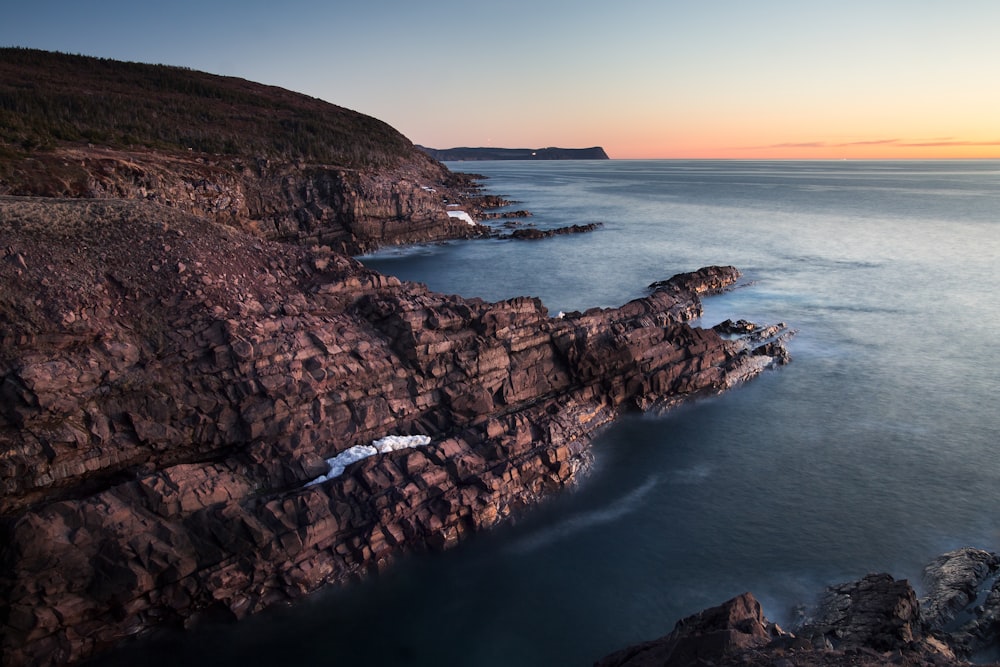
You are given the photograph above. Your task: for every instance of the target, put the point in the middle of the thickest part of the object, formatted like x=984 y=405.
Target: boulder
x=952 y=581
x=704 y=638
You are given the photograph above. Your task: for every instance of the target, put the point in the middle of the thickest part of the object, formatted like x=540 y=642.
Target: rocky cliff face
x=351 y=211
x=277 y=163
x=170 y=389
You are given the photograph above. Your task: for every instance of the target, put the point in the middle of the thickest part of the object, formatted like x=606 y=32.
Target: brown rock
x=877 y=612
x=868 y=623
x=703 y=638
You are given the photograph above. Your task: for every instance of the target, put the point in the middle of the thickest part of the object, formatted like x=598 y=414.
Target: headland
x=187 y=348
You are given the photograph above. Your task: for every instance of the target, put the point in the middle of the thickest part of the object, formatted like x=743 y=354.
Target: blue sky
x=642 y=78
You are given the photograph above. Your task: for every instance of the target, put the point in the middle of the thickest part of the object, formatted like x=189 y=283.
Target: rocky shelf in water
x=533 y=233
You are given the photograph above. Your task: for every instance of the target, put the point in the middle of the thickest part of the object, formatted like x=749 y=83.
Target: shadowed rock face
x=169 y=387
x=266 y=160
x=707 y=637
x=951 y=607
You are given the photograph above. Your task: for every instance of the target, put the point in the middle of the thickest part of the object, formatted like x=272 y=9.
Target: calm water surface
x=875 y=450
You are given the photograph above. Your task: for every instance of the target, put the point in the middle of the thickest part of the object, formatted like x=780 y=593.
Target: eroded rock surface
x=704 y=638
x=170 y=386
x=954 y=582
x=876 y=612
x=352 y=211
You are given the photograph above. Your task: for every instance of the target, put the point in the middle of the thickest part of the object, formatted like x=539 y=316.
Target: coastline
x=211 y=358
x=184 y=361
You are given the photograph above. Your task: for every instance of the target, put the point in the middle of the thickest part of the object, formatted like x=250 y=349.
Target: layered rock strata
x=349 y=210
x=171 y=387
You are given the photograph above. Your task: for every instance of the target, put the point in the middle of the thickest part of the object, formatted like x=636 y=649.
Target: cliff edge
x=281 y=165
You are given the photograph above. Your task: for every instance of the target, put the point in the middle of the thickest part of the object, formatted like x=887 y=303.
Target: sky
x=803 y=79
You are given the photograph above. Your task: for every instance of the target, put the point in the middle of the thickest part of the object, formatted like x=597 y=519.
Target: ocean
x=874 y=450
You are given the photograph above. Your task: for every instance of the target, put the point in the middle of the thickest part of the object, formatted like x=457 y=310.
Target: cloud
x=805 y=144
x=894 y=143
x=870 y=142
x=949 y=142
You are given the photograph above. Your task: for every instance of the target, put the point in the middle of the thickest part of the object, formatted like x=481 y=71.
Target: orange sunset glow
x=643 y=79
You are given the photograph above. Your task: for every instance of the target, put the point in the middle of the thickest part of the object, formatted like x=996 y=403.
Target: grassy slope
x=48 y=99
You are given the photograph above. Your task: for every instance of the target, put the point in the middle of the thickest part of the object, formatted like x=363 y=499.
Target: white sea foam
x=390 y=443
x=462 y=215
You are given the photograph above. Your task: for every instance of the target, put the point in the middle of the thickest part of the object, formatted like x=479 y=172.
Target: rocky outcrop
x=279 y=164
x=876 y=612
x=533 y=233
x=171 y=387
x=876 y=620
x=954 y=583
x=705 y=638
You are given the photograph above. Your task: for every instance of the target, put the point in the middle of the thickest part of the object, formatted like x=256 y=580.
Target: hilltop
x=48 y=99
x=279 y=164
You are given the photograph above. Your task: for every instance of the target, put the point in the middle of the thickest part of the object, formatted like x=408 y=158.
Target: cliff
x=489 y=153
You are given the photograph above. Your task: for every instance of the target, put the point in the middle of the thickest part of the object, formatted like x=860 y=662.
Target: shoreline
x=227 y=382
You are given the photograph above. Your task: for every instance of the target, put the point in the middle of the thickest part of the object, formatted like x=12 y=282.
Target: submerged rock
x=533 y=233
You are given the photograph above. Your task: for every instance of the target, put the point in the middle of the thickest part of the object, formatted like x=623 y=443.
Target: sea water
x=874 y=450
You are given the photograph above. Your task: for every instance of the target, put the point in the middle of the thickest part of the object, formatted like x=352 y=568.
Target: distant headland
x=489 y=153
